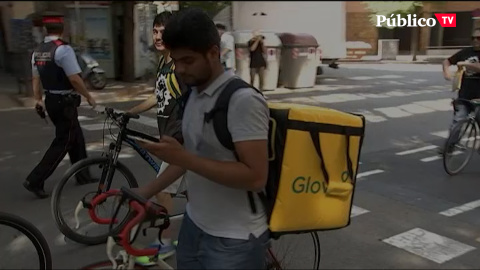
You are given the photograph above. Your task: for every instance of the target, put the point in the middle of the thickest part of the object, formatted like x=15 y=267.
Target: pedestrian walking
x=258 y=64
x=55 y=66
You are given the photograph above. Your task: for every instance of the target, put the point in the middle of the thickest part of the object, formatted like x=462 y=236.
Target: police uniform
x=53 y=61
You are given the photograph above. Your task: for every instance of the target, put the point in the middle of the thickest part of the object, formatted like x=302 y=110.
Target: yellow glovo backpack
x=314 y=155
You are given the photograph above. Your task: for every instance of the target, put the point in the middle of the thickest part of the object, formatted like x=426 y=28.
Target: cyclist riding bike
x=470 y=85
x=168 y=91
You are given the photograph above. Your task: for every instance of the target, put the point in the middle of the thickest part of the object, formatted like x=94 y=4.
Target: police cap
x=50 y=17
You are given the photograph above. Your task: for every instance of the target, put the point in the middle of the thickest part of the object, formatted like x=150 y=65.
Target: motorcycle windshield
x=89 y=60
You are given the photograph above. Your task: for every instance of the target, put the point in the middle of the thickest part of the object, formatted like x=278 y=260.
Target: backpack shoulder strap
x=219 y=113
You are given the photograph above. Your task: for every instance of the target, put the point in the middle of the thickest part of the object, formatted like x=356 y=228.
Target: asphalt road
x=408 y=212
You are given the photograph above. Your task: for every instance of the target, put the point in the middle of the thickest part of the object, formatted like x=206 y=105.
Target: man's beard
x=201 y=81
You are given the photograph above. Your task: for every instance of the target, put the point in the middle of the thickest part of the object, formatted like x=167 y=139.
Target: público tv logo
x=445 y=20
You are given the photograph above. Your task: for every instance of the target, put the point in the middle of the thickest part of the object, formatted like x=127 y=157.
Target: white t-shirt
x=227 y=41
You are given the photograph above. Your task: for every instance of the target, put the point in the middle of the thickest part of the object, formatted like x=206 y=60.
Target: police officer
x=55 y=66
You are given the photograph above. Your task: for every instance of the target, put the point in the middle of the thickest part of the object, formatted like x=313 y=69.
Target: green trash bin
x=272 y=57
x=298 y=67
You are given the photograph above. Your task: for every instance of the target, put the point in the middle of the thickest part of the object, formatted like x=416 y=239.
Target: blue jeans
x=199 y=250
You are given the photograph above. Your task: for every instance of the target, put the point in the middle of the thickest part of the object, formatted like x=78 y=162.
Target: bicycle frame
x=113 y=155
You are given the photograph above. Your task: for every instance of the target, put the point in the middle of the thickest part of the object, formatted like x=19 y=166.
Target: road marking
x=361 y=78
x=6 y=157
x=393 y=112
x=370 y=117
x=368 y=173
x=99 y=126
x=438 y=157
x=397 y=93
x=437 y=105
x=442 y=134
x=461 y=209
x=415 y=109
x=389 y=77
x=357 y=211
x=408 y=152
x=429 y=245
x=336 y=98
x=374 y=95
x=84 y=118
x=429 y=159
x=396 y=83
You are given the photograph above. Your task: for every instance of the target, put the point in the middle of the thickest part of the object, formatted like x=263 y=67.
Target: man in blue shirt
x=55 y=66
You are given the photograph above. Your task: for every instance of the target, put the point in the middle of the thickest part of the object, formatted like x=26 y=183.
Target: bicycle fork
x=107 y=175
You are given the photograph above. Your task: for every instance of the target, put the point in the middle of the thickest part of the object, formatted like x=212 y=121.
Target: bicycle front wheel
x=460 y=146
x=14 y=251
x=294 y=251
x=67 y=206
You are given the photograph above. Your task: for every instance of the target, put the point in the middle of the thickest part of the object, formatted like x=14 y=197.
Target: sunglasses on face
x=476 y=38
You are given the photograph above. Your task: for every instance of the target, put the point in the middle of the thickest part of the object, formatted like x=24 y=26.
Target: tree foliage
x=211 y=7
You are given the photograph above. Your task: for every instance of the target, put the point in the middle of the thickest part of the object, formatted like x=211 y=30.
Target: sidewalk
x=115 y=91
x=400 y=59
x=8 y=89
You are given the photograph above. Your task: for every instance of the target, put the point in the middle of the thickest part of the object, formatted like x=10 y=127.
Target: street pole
x=76 y=29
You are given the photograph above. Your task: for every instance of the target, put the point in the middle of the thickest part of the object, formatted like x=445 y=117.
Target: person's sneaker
x=164 y=252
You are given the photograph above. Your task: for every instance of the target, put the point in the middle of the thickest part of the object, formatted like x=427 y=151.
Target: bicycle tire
x=98 y=265
x=33 y=234
x=272 y=263
x=60 y=222
x=458 y=128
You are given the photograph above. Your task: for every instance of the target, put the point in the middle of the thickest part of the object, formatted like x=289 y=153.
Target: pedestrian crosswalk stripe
x=357 y=211
x=368 y=173
x=393 y=112
x=99 y=126
x=415 y=109
x=461 y=209
x=84 y=118
x=421 y=149
x=428 y=245
x=433 y=158
x=442 y=134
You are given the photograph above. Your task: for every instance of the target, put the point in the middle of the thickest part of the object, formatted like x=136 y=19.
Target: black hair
x=192 y=29
x=54 y=28
x=221 y=26
x=162 y=18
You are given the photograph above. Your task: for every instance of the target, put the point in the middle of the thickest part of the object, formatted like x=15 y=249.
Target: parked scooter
x=91 y=71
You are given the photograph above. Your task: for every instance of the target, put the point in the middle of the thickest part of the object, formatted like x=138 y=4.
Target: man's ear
x=214 y=52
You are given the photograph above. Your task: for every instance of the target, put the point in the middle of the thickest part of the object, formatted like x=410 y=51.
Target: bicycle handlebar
x=142 y=208
x=111 y=113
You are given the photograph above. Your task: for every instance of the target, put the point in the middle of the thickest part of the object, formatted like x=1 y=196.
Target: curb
x=420 y=62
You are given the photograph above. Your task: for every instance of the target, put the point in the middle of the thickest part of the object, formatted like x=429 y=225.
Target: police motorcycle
x=91 y=71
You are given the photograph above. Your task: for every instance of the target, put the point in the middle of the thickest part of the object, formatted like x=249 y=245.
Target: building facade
x=435 y=40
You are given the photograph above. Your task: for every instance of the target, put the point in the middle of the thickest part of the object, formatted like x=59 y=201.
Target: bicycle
x=156 y=216
x=109 y=164
x=31 y=233
x=454 y=144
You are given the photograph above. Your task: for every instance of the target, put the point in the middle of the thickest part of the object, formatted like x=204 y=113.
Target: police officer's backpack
x=314 y=154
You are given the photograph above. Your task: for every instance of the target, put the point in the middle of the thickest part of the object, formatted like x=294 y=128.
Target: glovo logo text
x=305 y=184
